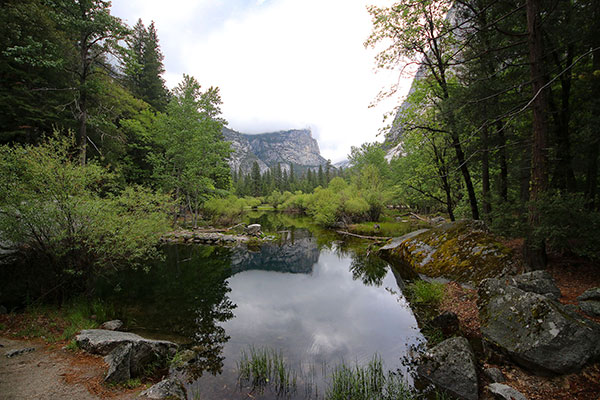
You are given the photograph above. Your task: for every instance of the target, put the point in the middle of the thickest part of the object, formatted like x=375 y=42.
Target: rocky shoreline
x=521 y=321
x=224 y=237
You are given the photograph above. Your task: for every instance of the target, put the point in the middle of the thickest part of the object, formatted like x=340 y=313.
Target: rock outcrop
x=293 y=147
x=464 y=251
x=127 y=354
x=537 y=332
x=451 y=366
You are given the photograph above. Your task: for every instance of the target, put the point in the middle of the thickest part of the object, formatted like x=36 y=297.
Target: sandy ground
x=52 y=373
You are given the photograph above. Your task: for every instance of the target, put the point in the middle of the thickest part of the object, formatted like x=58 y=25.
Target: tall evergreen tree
x=144 y=66
x=255 y=179
x=93 y=33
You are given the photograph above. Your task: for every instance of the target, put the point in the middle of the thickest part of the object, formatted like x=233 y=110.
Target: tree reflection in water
x=186 y=294
x=368 y=268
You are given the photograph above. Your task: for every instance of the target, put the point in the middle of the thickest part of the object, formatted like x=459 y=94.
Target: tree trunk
x=591 y=181
x=83 y=75
x=464 y=169
x=485 y=172
x=503 y=162
x=563 y=177
x=535 y=248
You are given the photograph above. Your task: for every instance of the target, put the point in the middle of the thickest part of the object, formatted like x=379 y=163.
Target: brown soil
x=50 y=372
x=573 y=276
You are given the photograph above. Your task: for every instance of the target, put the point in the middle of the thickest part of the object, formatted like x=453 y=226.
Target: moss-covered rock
x=464 y=251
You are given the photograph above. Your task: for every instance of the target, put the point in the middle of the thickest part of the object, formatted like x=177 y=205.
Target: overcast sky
x=280 y=64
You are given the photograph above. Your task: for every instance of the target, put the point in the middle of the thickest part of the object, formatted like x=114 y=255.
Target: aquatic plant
x=264 y=367
x=368 y=382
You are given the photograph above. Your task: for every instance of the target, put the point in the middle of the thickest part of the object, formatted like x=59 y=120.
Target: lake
x=312 y=301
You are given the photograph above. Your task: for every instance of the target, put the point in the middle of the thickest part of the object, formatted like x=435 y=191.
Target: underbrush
x=57 y=324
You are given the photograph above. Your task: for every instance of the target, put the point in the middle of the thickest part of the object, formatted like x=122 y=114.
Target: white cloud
x=280 y=64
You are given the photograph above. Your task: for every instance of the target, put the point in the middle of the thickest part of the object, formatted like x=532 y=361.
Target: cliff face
x=296 y=147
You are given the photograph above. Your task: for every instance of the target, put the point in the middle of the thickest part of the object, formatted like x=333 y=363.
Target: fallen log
x=363 y=237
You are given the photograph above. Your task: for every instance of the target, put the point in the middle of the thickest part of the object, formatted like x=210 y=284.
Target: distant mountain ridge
x=292 y=147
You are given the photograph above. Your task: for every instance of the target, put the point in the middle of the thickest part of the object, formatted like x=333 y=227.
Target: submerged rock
x=537 y=332
x=464 y=251
x=451 y=366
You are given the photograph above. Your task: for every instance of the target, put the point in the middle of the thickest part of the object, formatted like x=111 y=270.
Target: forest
x=500 y=125
x=462 y=249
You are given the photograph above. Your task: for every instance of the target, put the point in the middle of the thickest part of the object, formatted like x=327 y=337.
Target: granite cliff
x=296 y=146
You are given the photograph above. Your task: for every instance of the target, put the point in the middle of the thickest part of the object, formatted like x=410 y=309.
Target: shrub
x=74 y=215
x=224 y=210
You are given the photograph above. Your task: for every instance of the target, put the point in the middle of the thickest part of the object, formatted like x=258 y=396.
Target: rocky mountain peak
x=291 y=147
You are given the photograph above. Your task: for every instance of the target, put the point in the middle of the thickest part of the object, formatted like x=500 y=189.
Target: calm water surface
x=318 y=305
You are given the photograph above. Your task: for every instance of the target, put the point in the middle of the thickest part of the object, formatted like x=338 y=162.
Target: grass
x=56 y=324
x=425 y=299
x=266 y=367
x=368 y=382
x=430 y=293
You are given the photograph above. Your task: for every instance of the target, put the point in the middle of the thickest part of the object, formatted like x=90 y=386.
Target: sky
x=279 y=64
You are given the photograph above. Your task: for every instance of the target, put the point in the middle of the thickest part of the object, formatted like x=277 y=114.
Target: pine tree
x=255 y=180
x=144 y=66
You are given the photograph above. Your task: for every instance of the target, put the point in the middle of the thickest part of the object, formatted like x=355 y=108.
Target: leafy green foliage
x=192 y=161
x=74 y=215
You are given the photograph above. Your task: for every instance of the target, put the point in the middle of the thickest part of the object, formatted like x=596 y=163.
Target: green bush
x=224 y=210
x=74 y=215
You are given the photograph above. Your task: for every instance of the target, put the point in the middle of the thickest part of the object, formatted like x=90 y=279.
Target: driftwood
x=418 y=217
x=364 y=237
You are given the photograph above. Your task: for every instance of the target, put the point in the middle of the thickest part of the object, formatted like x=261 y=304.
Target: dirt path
x=52 y=373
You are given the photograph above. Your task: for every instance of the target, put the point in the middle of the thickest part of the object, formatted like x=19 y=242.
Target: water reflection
x=185 y=298
x=368 y=268
x=317 y=304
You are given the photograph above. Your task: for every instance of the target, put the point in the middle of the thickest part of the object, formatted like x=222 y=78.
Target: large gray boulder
x=451 y=367
x=119 y=364
x=540 y=282
x=463 y=251
x=537 y=332
x=128 y=355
